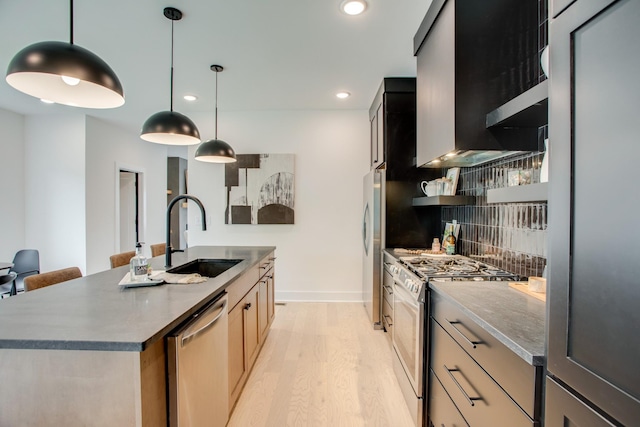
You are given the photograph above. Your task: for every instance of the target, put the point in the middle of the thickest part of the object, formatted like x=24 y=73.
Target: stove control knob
x=411 y=285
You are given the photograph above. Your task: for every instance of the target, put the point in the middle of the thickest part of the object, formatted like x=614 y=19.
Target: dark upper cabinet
x=393 y=123
x=393 y=138
x=594 y=291
x=472 y=57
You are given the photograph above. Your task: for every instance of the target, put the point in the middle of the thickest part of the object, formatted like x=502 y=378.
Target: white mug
x=429 y=188
x=423 y=186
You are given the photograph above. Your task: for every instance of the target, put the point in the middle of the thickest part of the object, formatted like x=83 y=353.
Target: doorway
x=129 y=212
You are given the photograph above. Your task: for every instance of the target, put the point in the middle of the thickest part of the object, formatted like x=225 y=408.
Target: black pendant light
x=170 y=127
x=215 y=150
x=66 y=74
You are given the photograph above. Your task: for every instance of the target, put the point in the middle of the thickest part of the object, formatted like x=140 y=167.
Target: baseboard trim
x=315 y=296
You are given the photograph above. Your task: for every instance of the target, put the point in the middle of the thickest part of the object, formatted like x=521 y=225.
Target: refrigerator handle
x=365 y=237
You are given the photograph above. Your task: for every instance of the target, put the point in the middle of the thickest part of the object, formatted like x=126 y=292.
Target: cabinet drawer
x=239 y=288
x=266 y=264
x=516 y=376
x=442 y=411
x=387 y=292
x=387 y=317
x=478 y=397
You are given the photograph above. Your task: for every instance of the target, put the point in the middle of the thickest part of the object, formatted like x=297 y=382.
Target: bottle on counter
x=138 y=266
x=435 y=246
x=451 y=241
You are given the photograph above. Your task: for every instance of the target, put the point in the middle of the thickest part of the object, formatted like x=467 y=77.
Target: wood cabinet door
x=237 y=360
x=271 y=302
x=594 y=296
x=251 y=326
x=263 y=307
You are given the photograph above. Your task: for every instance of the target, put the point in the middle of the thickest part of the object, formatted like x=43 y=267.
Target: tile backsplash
x=511 y=236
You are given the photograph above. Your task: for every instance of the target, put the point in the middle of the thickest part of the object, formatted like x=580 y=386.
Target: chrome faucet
x=169 y=249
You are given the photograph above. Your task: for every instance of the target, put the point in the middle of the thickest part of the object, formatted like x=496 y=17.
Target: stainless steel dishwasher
x=198 y=368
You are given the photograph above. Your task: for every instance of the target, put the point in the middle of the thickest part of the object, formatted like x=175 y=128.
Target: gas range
x=454 y=268
x=414 y=272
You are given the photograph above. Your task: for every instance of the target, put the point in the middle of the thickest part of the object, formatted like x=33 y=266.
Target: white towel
x=181 y=279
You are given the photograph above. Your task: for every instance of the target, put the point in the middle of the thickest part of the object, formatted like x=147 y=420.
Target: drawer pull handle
x=389 y=320
x=453 y=325
x=469 y=399
x=389 y=289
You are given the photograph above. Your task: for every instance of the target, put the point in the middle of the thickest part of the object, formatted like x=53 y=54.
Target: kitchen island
x=87 y=352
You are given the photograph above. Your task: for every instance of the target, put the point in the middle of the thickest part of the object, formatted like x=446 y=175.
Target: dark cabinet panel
x=594 y=292
x=392 y=117
x=473 y=56
x=564 y=410
x=442 y=411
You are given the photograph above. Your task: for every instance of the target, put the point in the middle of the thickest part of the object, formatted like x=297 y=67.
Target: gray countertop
x=515 y=319
x=94 y=313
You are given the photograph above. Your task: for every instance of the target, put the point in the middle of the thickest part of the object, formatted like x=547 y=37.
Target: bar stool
x=42 y=280
x=119 y=260
x=158 y=249
x=4 y=279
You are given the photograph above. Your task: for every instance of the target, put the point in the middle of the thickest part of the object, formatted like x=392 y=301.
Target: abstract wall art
x=260 y=189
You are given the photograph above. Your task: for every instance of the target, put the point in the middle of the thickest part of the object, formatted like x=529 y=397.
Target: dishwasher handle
x=185 y=340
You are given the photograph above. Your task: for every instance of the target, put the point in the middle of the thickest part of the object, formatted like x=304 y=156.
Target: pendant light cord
x=171 y=102
x=71 y=21
x=216 y=108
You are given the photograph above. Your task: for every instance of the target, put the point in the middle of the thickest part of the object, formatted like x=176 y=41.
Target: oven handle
x=400 y=291
x=453 y=325
x=469 y=399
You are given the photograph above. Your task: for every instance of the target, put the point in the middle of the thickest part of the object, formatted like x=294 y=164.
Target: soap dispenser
x=138 y=266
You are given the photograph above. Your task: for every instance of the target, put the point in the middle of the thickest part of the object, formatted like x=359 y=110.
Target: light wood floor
x=323 y=364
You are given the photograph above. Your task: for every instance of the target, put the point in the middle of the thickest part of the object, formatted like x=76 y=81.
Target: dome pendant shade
x=171 y=128
x=215 y=151
x=37 y=70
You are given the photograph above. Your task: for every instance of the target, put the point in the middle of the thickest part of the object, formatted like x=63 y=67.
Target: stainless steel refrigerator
x=372 y=243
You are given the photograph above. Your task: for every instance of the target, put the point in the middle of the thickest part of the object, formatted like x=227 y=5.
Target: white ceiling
x=277 y=54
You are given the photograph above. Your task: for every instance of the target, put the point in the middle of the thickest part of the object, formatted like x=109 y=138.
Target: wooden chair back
x=158 y=249
x=119 y=260
x=42 y=280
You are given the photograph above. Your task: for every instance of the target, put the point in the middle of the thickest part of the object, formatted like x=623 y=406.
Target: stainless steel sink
x=206 y=267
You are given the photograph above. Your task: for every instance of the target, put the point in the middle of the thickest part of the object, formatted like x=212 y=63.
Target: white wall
x=106 y=147
x=319 y=257
x=54 y=186
x=12 y=223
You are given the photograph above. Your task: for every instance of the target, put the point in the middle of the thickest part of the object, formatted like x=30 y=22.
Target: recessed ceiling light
x=190 y=97
x=343 y=95
x=353 y=7
x=46 y=101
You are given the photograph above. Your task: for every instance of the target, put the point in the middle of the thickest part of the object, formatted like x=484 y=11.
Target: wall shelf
x=530 y=109
x=517 y=194
x=444 y=201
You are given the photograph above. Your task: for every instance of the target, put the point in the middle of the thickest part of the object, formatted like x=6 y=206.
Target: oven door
x=408 y=335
